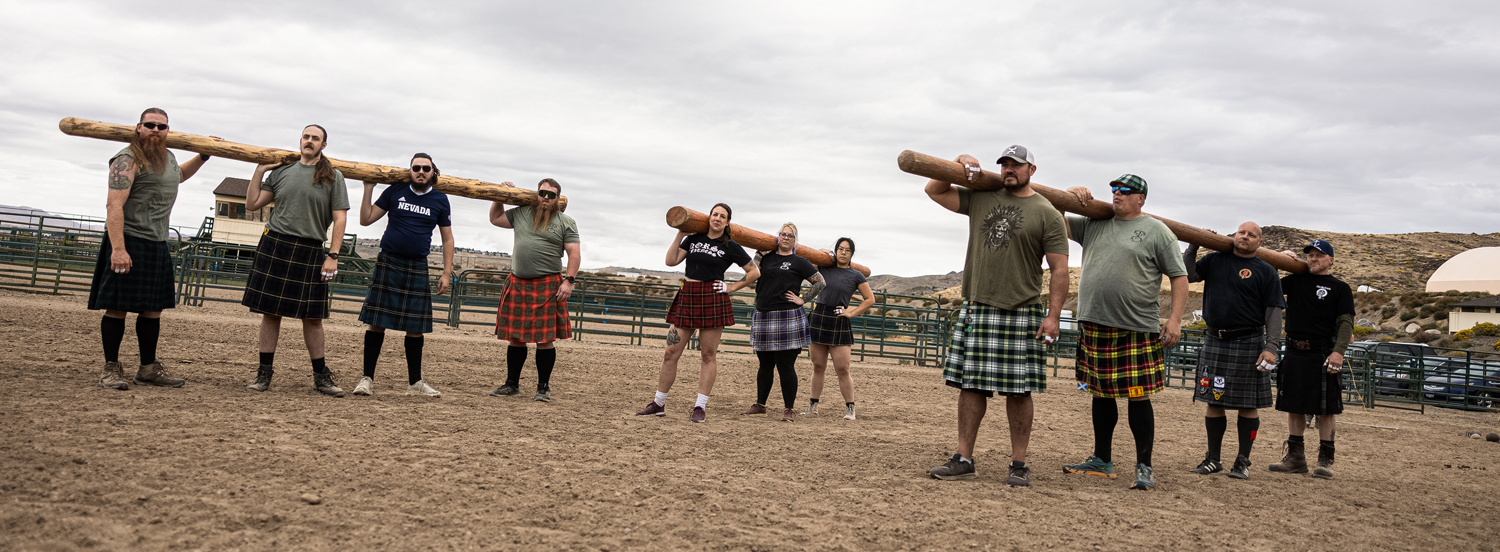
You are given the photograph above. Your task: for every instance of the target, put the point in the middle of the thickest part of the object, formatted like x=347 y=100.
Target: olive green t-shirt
x=148 y=210
x=1009 y=238
x=1123 y=262
x=535 y=253
x=304 y=209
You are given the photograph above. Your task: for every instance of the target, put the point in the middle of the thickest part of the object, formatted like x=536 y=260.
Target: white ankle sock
x=702 y=401
x=661 y=399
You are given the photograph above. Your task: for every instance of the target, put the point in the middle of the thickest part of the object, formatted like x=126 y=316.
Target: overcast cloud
x=1343 y=116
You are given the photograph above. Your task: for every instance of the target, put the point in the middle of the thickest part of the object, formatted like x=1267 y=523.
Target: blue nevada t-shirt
x=411 y=217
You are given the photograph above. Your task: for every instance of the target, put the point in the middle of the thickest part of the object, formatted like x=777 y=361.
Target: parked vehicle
x=1470 y=385
x=1394 y=364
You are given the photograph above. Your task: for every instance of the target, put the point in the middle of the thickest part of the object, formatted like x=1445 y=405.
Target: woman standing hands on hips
x=779 y=330
x=829 y=324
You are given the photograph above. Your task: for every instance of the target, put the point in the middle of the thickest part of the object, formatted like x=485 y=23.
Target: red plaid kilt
x=529 y=311
x=697 y=305
x=1117 y=364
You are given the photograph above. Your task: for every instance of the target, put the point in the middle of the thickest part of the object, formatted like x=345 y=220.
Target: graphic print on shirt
x=1000 y=225
x=786 y=266
x=1322 y=292
x=1139 y=236
x=706 y=249
x=1244 y=273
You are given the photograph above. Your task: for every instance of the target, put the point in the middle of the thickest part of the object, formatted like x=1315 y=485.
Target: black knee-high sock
x=147 y=333
x=414 y=359
x=515 y=358
x=786 y=367
x=1216 y=428
x=1106 y=415
x=373 y=342
x=765 y=376
x=1248 y=427
x=113 y=330
x=1143 y=427
x=545 y=360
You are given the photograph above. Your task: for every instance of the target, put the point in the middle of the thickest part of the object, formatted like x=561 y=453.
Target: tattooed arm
x=817 y=287
x=121 y=175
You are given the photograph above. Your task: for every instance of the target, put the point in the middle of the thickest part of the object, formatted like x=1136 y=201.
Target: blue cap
x=1320 y=245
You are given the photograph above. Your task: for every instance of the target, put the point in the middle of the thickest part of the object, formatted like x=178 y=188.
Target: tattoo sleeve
x=672 y=337
x=118 y=180
x=817 y=288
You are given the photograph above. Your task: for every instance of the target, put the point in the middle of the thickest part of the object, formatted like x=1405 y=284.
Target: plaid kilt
x=400 y=297
x=146 y=288
x=828 y=328
x=1227 y=377
x=1303 y=386
x=529 y=311
x=996 y=350
x=782 y=330
x=697 y=305
x=286 y=278
x=1114 y=363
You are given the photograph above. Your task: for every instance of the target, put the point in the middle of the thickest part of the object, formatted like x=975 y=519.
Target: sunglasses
x=421 y=168
x=547 y=194
x=1123 y=190
x=154 y=126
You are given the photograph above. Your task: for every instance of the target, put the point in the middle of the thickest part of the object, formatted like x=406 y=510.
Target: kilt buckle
x=1302 y=345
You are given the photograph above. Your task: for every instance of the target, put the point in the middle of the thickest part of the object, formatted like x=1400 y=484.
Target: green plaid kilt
x=1114 y=364
x=996 y=350
x=286 y=278
x=400 y=296
x=146 y=288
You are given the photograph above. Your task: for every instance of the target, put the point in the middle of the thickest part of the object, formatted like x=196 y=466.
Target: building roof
x=1492 y=301
x=234 y=187
x=1477 y=269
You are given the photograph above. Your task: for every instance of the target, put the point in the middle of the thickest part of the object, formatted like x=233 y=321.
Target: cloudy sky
x=1356 y=116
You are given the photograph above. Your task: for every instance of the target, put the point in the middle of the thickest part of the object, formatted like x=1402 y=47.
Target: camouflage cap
x=1131 y=181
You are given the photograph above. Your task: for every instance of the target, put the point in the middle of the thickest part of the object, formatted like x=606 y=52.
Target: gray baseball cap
x=1019 y=153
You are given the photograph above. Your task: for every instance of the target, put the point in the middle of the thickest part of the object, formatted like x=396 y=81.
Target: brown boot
x=114 y=377
x=1325 y=462
x=156 y=374
x=1295 y=460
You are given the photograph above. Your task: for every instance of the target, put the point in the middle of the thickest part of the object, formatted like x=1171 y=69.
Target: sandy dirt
x=212 y=466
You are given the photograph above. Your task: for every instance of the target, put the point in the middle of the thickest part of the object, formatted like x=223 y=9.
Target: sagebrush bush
x=1388 y=311
x=1422 y=337
x=1408 y=315
x=1486 y=328
x=1463 y=335
x=1361 y=331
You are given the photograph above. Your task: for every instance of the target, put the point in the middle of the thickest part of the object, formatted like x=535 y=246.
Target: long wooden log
x=353 y=170
x=951 y=171
x=692 y=222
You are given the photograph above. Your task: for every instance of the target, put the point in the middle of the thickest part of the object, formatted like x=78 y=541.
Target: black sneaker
x=505 y=391
x=955 y=470
x=1207 y=467
x=324 y=384
x=1020 y=476
x=1241 y=469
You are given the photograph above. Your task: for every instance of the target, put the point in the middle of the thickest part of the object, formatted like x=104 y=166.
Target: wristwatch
x=332 y=255
x=571 y=279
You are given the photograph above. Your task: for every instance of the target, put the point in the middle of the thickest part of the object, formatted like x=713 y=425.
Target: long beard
x=153 y=150
x=541 y=214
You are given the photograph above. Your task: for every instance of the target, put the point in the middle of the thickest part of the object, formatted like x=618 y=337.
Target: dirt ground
x=212 y=466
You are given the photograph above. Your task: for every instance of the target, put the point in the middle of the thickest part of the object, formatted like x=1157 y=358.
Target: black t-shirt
x=778 y=275
x=1313 y=305
x=707 y=259
x=1237 y=290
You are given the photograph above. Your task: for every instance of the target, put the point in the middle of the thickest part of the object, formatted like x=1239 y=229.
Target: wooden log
x=954 y=172
x=353 y=170
x=692 y=222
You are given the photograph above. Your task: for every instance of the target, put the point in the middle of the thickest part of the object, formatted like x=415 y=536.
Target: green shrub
x=1486 y=328
x=1387 y=338
x=1408 y=315
x=1388 y=311
x=1463 y=344
x=1361 y=331
x=1443 y=342
x=1199 y=325
x=1427 y=311
x=1422 y=337
x=1430 y=326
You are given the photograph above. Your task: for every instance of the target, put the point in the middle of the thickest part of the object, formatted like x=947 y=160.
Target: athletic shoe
x=954 y=470
x=114 y=377
x=1207 y=467
x=849 y=412
x=544 y=394
x=653 y=409
x=505 y=391
x=262 y=378
x=812 y=410
x=323 y=382
x=1241 y=469
x=365 y=387
x=754 y=409
x=1093 y=466
x=789 y=415
x=1020 y=476
x=1325 y=463
x=156 y=374
x=698 y=416
x=421 y=388
x=1143 y=478
x=1295 y=460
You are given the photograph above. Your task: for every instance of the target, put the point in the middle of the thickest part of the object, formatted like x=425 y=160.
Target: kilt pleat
x=782 y=330
x=1115 y=363
x=529 y=312
x=1227 y=377
x=400 y=296
x=827 y=328
x=286 y=278
x=146 y=288
x=994 y=349
x=697 y=305
x=1304 y=386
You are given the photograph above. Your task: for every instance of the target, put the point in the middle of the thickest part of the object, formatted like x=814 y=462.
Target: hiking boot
x=954 y=470
x=156 y=374
x=1241 y=469
x=849 y=412
x=505 y=391
x=812 y=410
x=1093 y=466
x=789 y=415
x=754 y=409
x=653 y=409
x=1325 y=463
x=114 y=377
x=544 y=394
x=1020 y=476
x=323 y=382
x=262 y=378
x=1208 y=466
x=698 y=416
x=366 y=387
x=1143 y=478
x=421 y=388
x=1295 y=460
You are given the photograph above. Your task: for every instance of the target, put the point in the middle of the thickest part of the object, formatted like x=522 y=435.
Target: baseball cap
x=1320 y=245
x=1131 y=181
x=1018 y=153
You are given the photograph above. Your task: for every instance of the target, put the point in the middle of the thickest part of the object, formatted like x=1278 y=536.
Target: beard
x=542 y=213
x=422 y=187
x=151 y=150
x=1021 y=182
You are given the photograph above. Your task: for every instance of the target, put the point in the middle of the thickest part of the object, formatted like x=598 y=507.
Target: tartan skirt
x=146 y=288
x=782 y=330
x=994 y=349
x=697 y=305
x=529 y=311
x=1303 y=386
x=400 y=297
x=828 y=328
x=1227 y=377
x=286 y=278
x=1113 y=363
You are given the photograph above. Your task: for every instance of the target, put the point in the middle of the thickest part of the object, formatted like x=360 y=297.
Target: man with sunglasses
x=399 y=297
x=534 y=308
x=1122 y=340
x=133 y=272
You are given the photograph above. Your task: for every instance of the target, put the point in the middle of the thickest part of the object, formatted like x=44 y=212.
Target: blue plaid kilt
x=781 y=330
x=996 y=350
x=1227 y=377
x=146 y=288
x=828 y=328
x=286 y=278
x=400 y=297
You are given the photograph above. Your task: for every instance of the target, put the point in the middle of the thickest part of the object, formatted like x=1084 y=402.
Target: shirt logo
x=706 y=249
x=1000 y=225
x=1140 y=236
x=1244 y=273
x=786 y=266
x=412 y=207
x=1322 y=292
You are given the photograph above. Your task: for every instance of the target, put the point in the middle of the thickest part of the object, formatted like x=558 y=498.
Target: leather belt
x=1235 y=333
x=1310 y=344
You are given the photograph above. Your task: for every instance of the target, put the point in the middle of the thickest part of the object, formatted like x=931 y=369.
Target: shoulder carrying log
x=692 y=222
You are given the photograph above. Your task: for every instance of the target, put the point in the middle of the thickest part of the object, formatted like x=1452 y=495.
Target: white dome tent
x=1473 y=270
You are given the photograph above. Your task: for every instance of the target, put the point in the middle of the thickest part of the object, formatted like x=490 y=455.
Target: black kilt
x=146 y=288
x=1304 y=386
x=286 y=278
x=400 y=297
x=828 y=328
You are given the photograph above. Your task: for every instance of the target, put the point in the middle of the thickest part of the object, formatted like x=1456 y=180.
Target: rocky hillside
x=1389 y=262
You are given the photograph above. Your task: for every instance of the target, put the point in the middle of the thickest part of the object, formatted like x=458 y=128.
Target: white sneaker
x=366 y=387
x=849 y=413
x=812 y=410
x=421 y=388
